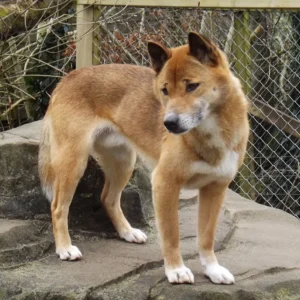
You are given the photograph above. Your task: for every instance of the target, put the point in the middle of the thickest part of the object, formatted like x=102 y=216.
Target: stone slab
x=260 y=245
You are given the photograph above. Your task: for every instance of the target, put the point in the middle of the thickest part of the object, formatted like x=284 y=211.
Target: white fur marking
x=200 y=182
x=236 y=82
x=169 y=114
x=210 y=126
x=188 y=193
x=114 y=139
x=179 y=275
x=69 y=253
x=106 y=134
x=215 y=272
x=219 y=274
x=227 y=168
x=191 y=119
x=48 y=191
x=134 y=236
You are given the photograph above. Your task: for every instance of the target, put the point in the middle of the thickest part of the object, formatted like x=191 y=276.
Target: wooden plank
x=84 y=41
x=275 y=117
x=96 y=37
x=287 y=4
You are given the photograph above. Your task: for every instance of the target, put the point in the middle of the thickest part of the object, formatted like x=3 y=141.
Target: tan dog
x=188 y=119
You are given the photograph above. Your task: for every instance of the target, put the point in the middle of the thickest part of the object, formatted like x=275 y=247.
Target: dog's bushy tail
x=45 y=168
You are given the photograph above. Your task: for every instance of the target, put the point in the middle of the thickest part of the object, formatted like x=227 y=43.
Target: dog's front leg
x=166 y=197
x=210 y=202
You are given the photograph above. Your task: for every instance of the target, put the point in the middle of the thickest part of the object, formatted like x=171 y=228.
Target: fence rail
x=232 y=4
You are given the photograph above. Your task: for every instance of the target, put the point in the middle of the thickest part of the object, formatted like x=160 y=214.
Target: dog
x=187 y=117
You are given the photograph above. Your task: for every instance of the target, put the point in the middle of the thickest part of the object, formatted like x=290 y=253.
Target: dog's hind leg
x=210 y=202
x=117 y=164
x=69 y=166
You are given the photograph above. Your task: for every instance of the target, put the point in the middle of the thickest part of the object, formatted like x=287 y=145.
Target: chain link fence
x=263 y=47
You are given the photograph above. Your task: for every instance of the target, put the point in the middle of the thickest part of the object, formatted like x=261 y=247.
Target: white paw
x=218 y=274
x=69 y=253
x=180 y=275
x=134 y=236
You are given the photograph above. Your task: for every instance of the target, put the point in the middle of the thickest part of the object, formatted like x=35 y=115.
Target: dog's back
x=86 y=97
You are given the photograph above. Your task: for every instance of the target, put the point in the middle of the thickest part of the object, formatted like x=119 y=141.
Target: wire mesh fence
x=263 y=47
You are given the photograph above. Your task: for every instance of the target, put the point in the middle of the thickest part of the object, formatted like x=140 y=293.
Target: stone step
x=24 y=240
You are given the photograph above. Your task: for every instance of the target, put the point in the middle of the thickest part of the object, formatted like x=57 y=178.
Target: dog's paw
x=218 y=274
x=69 y=253
x=180 y=275
x=134 y=236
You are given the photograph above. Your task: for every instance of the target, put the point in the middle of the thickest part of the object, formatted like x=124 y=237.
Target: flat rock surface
x=260 y=245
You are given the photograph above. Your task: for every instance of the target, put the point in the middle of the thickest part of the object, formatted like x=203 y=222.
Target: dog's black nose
x=172 y=123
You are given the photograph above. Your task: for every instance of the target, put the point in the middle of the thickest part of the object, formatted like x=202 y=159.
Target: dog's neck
x=214 y=135
x=206 y=141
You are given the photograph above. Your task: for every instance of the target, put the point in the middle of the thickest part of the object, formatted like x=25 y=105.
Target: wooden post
x=96 y=39
x=84 y=44
x=242 y=54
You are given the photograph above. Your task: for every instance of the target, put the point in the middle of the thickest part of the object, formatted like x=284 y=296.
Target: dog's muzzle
x=172 y=123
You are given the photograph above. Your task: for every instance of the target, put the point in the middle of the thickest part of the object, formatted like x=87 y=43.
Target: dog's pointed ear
x=203 y=49
x=158 y=54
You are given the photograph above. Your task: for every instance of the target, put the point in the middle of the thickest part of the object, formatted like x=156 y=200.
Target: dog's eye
x=191 y=87
x=165 y=91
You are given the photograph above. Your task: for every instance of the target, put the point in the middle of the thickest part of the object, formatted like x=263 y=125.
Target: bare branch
x=17 y=103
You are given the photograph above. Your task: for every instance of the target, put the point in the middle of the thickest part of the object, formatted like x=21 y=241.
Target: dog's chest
x=198 y=181
x=202 y=173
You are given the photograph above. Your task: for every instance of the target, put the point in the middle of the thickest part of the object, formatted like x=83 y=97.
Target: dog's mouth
x=181 y=128
x=173 y=124
x=183 y=123
x=178 y=130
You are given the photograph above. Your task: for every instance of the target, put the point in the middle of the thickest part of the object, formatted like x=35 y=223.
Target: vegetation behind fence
x=263 y=46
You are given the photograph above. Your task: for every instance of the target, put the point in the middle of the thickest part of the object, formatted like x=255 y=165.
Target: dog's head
x=191 y=81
